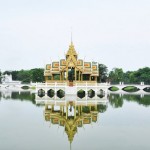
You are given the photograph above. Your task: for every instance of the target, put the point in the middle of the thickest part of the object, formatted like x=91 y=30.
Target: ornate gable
x=71 y=56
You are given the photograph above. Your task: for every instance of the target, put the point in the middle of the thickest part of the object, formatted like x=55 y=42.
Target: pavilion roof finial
x=71 y=37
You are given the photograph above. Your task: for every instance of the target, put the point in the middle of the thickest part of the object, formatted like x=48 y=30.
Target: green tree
x=24 y=76
x=116 y=75
x=142 y=75
x=103 y=73
x=37 y=75
x=7 y=72
x=135 y=77
x=15 y=75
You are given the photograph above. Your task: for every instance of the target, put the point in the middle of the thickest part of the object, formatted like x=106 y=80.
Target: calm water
x=121 y=124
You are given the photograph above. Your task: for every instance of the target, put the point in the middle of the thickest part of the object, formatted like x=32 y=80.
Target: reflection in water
x=144 y=100
x=72 y=115
x=117 y=100
x=22 y=96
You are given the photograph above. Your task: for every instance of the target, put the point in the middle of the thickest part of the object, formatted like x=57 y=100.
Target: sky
x=34 y=33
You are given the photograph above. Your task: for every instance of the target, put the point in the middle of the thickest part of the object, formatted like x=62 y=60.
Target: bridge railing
x=91 y=84
x=77 y=84
x=50 y=84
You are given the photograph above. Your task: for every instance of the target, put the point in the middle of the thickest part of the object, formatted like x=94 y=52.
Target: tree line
x=114 y=76
x=117 y=75
x=27 y=76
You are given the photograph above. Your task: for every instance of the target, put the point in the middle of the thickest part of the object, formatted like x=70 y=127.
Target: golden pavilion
x=71 y=69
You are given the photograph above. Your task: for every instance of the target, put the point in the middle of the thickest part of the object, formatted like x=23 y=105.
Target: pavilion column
x=75 y=74
x=63 y=110
x=52 y=108
x=60 y=76
x=64 y=75
x=46 y=78
x=95 y=107
x=74 y=111
x=79 y=110
x=95 y=78
x=67 y=74
x=79 y=75
x=52 y=77
x=46 y=107
x=66 y=111
x=90 y=108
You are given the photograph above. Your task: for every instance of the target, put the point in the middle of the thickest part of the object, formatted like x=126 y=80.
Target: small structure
x=7 y=79
x=71 y=69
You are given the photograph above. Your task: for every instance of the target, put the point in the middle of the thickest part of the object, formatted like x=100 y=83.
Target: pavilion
x=71 y=69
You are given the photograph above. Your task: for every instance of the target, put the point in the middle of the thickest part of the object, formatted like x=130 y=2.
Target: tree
x=24 y=76
x=14 y=75
x=143 y=75
x=116 y=75
x=37 y=75
x=103 y=73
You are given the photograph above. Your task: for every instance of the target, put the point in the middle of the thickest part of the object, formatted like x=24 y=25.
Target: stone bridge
x=141 y=86
x=16 y=86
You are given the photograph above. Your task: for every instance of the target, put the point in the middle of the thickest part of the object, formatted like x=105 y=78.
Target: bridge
x=16 y=86
x=85 y=86
x=122 y=85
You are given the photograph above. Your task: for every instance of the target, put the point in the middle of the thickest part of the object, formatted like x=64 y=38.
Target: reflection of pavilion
x=72 y=114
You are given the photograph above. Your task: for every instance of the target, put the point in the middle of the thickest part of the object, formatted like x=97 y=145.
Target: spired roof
x=71 y=50
x=71 y=56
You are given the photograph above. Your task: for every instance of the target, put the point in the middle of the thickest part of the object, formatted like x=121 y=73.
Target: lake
x=122 y=122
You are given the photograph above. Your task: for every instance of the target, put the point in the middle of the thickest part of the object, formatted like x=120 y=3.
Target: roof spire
x=71 y=37
x=70 y=145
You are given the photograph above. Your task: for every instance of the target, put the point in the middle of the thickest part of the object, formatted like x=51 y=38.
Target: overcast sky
x=113 y=32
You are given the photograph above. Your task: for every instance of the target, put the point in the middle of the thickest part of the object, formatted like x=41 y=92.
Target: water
x=122 y=123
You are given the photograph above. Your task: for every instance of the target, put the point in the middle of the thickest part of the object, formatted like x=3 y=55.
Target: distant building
x=7 y=79
x=71 y=69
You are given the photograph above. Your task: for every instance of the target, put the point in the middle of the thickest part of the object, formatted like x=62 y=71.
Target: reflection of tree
x=86 y=109
x=137 y=98
x=116 y=100
x=101 y=108
x=0 y=95
x=23 y=96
